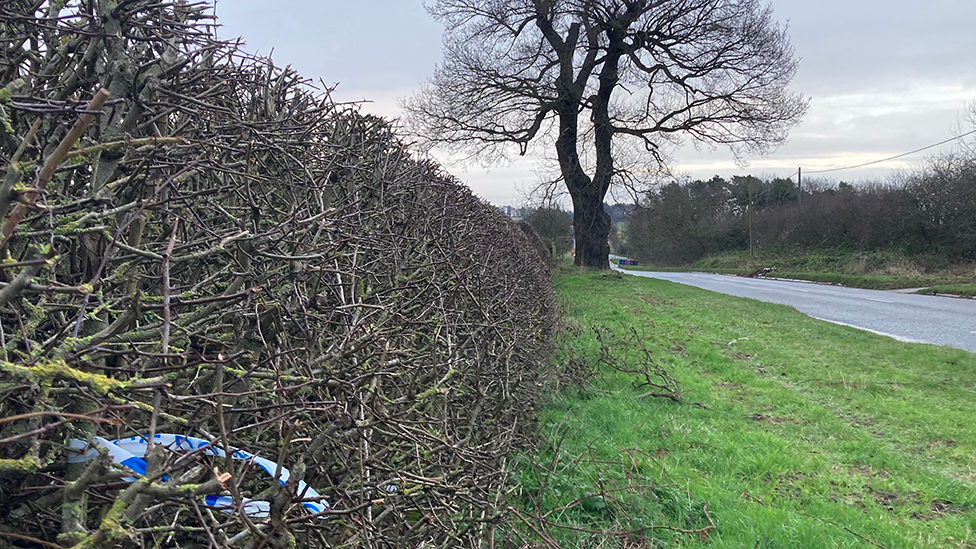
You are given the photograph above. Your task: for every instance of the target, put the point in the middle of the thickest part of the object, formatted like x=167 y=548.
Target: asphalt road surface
x=906 y=317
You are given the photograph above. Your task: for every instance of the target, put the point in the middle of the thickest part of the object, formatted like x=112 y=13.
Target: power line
x=896 y=156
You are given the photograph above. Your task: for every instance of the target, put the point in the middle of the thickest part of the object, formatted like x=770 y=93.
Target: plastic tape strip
x=129 y=452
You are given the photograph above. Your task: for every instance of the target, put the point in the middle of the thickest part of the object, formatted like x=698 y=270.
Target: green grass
x=964 y=290
x=881 y=269
x=791 y=432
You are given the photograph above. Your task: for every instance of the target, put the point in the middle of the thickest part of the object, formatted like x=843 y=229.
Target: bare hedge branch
x=227 y=254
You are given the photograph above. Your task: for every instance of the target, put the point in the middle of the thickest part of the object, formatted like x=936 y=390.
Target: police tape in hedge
x=129 y=453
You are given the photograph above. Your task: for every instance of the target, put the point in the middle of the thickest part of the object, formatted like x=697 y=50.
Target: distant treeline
x=931 y=210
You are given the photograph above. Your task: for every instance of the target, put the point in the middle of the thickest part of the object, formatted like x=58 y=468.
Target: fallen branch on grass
x=631 y=356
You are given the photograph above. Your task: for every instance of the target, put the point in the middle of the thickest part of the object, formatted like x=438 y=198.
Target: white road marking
x=878 y=300
x=892 y=336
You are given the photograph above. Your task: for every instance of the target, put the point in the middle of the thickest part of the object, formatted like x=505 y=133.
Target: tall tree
x=582 y=75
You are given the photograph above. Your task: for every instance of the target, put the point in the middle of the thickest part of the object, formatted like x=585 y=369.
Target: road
x=906 y=317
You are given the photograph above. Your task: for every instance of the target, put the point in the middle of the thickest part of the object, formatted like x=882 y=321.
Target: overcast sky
x=883 y=76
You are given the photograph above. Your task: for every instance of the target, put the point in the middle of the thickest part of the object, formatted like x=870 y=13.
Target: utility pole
x=799 y=187
x=751 y=253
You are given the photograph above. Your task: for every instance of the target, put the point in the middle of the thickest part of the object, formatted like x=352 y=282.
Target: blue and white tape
x=129 y=452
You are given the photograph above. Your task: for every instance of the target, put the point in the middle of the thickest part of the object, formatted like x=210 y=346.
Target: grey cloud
x=885 y=76
x=364 y=44
x=877 y=43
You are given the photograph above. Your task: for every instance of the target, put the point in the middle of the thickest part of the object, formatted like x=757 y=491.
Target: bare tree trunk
x=591 y=226
x=592 y=223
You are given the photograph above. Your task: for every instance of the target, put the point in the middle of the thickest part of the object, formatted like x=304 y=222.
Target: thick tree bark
x=591 y=227
x=591 y=222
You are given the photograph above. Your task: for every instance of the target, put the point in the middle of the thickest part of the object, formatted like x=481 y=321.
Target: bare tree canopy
x=588 y=76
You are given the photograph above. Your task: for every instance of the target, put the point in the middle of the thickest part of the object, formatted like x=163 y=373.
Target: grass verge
x=790 y=432
x=962 y=290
